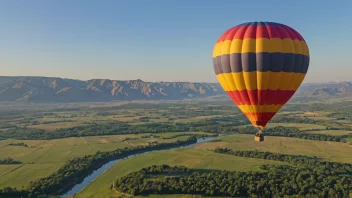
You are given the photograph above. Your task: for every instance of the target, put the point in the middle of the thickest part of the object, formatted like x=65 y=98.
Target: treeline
x=287 y=119
x=290 y=132
x=342 y=115
x=58 y=121
x=278 y=131
x=18 y=144
x=214 y=125
x=170 y=109
x=119 y=128
x=75 y=170
x=154 y=169
x=9 y=192
x=6 y=125
x=9 y=160
x=296 y=160
x=199 y=135
x=274 y=181
x=116 y=128
x=305 y=120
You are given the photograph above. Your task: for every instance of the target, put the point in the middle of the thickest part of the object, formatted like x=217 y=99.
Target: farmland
x=44 y=137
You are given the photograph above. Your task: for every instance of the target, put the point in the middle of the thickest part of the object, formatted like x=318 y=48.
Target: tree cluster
x=18 y=144
x=9 y=160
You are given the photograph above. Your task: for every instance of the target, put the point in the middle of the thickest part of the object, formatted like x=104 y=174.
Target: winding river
x=87 y=180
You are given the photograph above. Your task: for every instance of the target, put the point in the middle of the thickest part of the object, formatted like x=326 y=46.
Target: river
x=87 y=180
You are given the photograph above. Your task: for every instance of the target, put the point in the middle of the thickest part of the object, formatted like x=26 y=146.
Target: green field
x=5 y=169
x=189 y=157
x=26 y=173
x=43 y=157
x=334 y=151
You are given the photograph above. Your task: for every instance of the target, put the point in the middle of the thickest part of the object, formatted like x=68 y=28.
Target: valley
x=44 y=138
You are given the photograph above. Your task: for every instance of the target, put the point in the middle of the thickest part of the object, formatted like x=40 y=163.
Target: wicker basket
x=259 y=138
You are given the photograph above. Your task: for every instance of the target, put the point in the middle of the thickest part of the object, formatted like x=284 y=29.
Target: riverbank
x=90 y=178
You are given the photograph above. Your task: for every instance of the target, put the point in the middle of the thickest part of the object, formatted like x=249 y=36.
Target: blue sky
x=158 y=40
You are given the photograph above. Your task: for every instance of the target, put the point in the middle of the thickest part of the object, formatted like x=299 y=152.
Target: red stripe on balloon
x=260 y=97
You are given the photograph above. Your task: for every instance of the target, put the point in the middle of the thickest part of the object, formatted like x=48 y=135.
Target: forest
x=304 y=177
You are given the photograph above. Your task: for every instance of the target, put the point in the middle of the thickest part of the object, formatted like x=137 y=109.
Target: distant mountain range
x=342 y=89
x=48 y=89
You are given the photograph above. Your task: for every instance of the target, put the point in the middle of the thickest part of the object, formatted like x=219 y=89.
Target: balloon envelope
x=260 y=65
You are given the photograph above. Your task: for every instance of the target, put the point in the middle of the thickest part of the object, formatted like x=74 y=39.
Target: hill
x=328 y=89
x=47 y=89
x=50 y=89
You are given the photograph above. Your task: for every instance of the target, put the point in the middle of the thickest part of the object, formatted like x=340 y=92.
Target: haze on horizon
x=158 y=40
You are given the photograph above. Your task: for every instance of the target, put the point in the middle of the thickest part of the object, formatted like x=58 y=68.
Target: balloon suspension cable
x=259 y=133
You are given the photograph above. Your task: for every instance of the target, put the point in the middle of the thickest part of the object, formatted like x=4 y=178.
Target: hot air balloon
x=260 y=65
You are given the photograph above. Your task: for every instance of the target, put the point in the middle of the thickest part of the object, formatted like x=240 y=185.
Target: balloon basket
x=259 y=137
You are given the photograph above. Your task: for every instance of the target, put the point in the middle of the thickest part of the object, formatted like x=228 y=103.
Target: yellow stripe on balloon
x=274 y=45
x=259 y=108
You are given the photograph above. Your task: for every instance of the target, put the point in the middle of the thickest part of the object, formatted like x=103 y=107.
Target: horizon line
x=151 y=81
